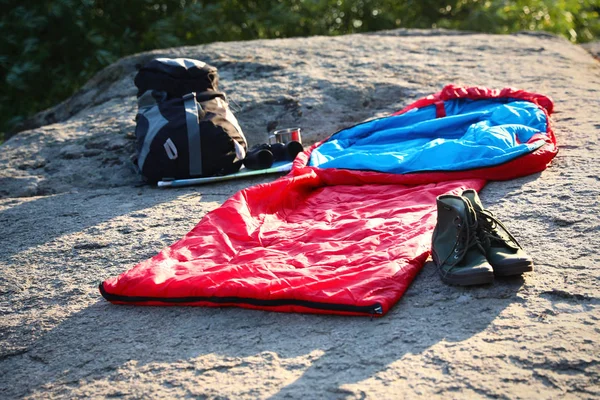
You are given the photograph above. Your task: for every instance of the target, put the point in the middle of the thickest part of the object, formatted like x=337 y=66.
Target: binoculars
x=284 y=145
x=263 y=156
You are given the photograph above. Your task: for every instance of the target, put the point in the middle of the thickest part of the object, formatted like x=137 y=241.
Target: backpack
x=184 y=127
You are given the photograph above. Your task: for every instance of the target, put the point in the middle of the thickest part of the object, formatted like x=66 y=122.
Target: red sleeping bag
x=319 y=240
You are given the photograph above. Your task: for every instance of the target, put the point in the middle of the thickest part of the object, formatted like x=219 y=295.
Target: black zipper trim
x=368 y=310
x=331 y=137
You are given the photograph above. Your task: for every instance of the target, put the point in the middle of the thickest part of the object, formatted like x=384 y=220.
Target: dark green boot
x=502 y=250
x=455 y=247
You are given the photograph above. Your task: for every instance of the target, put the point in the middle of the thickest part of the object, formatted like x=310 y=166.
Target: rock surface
x=71 y=215
x=593 y=48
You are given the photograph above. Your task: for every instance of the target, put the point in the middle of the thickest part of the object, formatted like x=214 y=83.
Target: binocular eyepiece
x=263 y=156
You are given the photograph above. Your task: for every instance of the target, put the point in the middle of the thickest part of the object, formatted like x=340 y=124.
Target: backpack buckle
x=170 y=149
x=188 y=96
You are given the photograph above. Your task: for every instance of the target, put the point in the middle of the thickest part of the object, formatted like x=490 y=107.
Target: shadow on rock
x=32 y=222
x=101 y=342
x=429 y=313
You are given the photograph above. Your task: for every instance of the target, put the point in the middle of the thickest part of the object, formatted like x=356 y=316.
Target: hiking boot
x=502 y=250
x=455 y=247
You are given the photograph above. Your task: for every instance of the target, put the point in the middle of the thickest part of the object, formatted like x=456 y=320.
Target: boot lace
x=489 y=227
x=467 y=237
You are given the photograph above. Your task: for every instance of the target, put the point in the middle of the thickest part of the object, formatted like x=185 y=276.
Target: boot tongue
x=471 y=214
x=474 y=199
x=468 y=232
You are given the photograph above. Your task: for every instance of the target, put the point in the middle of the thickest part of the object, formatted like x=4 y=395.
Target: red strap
x=440 y=110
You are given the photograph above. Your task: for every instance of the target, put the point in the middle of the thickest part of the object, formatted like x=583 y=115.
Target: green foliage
x=51 y=47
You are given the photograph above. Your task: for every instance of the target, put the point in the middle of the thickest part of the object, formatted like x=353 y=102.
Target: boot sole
x=475 y=279
x=515 y=269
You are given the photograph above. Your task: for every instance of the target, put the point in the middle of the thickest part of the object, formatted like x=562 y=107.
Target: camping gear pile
x=348 y=229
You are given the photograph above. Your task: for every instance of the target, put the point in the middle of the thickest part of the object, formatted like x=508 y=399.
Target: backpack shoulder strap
x=193 y=133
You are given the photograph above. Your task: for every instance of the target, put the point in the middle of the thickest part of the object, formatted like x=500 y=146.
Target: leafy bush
x=51 y=47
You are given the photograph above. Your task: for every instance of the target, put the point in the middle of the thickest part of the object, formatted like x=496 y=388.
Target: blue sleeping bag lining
x=473 y=134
